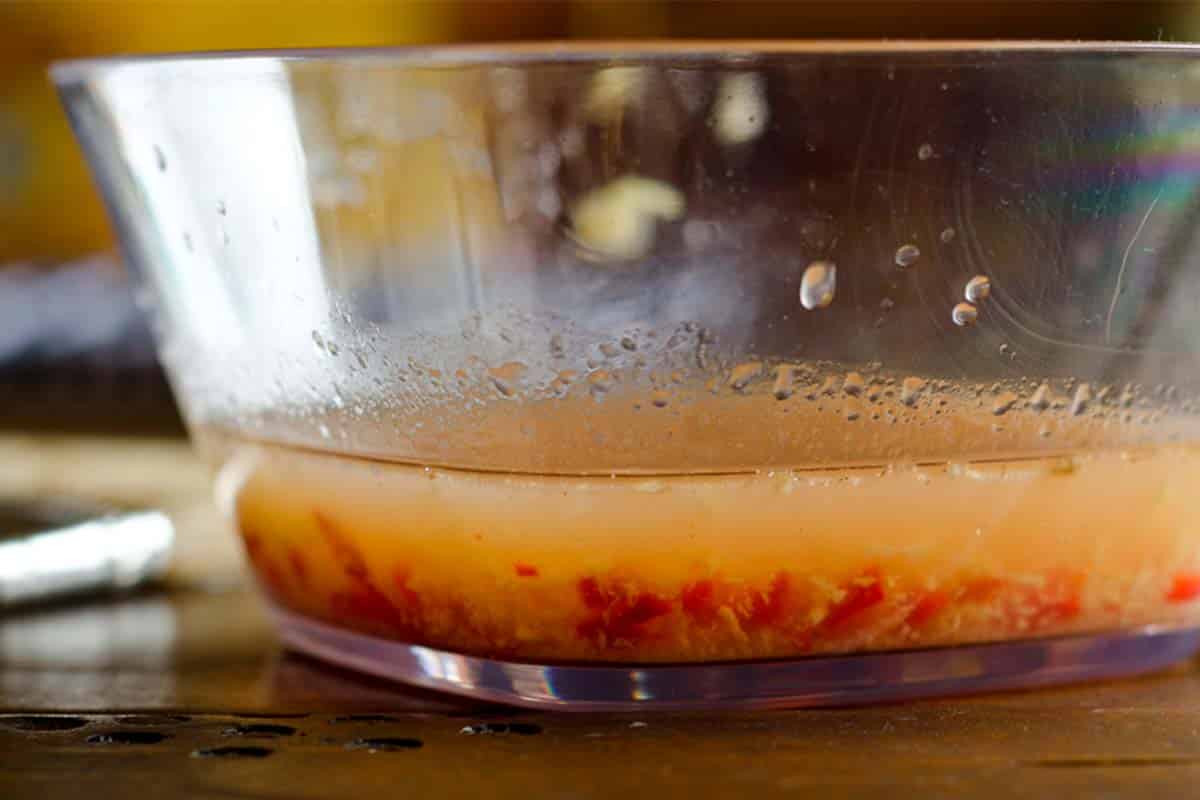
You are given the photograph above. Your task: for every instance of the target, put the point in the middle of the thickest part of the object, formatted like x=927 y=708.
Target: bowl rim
x=616 y=52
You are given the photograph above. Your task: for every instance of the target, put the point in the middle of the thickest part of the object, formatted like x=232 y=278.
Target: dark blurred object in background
x=76 y=352
x=80 y=312
x=71 y=350
x=48 y=208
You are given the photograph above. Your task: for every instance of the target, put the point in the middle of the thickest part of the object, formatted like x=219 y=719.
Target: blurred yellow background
x=48 y=208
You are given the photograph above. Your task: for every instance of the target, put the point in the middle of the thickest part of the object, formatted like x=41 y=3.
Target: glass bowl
x=610 y=376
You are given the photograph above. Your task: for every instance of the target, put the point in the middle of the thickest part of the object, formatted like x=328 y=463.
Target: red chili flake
x=769 y=608
x=859 y=596
x=592 y=629
x=367 y=603
x=364 y=600
x=927 y=607
x=593 y=598
x=344 y=551
x=617 y=616
x=698 y=601
x=1185 y=588
x=981 y=590
x=1056 y=611
x=627 y=618
x=1060 y=600
x=400 y=578
x=524 y=570
x=299 y=567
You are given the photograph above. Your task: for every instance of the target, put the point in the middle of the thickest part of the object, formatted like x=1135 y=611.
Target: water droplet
x=361 y=359
x=1081 y=398
x=964 y=314
x=907 y=255
x=851 y=414
x=910 y=390
x=947 y=235
x=601 y=381
x=978 y=289
x=556 y=346
x=785 y=382
x=818 y=285
x=887 y=304
x=1003 y=403
x=318 y=340
x=741 y=375
x=854 y=384
x=160 y=159
x=221 y=209
x=1040 y=400
x=332 y=348
x=506 y=376
x=628 y=343
x=660 y=398
x=187 y=243
x=609 y=350
x=925 y=152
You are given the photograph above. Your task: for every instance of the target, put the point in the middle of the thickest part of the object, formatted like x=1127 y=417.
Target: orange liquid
x=771 y=564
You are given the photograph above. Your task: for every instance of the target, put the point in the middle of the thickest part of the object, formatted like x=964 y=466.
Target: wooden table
x=144 y=696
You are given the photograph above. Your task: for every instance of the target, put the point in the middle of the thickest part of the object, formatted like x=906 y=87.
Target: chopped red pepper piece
x=617 y=617
x=1185 y=588
x=862 y=593
x=769 y=608
x=347 y=555
x=698 y=601
x=928 y=607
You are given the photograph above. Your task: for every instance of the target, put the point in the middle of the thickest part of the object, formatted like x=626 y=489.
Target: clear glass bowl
x=682 y=374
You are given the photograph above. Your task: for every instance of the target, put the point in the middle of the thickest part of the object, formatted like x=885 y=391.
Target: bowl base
x=839 y=680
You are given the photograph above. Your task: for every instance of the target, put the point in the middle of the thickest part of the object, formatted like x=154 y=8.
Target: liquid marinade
x=754 y=564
